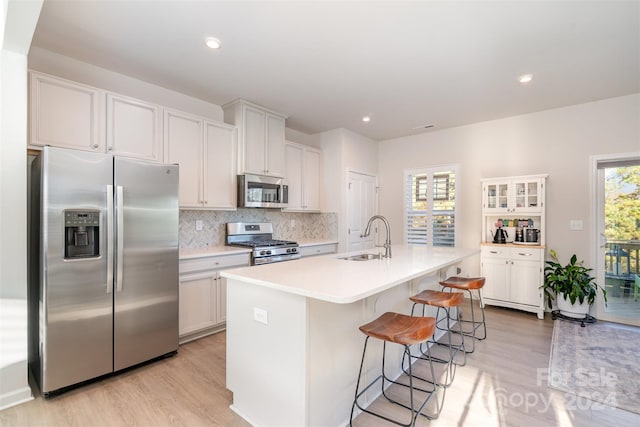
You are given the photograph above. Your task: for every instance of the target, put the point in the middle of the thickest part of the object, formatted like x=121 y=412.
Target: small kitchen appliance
x=500 y=236
x=259 y=237
x=258 y=191
x=531 y=235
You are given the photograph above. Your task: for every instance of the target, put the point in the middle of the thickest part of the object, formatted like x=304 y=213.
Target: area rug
x=599 y=362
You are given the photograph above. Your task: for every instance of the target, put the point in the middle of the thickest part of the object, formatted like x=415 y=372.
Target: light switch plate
x=575 y=224
x=199 y=225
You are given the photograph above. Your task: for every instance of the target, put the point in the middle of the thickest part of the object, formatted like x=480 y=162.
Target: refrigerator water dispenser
x=81 y=234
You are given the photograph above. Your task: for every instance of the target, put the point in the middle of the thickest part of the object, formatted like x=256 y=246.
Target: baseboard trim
x=15 y=397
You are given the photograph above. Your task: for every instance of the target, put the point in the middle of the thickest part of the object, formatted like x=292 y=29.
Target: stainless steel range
x=259 y=237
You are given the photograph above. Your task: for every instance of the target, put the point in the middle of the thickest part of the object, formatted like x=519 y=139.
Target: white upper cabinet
x=517 y=195
x=302 y=165
x=220 y=166
x=261 y=134
x=134 y=128
x=183 y=135
x=72 y=115
x=206 y=153
x=65 y=114
x=274 y=150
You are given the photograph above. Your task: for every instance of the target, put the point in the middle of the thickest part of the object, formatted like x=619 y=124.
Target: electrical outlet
x=199 y=225
x=293 y=223
x=260 y=315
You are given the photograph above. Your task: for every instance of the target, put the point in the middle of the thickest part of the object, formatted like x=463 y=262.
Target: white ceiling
x=327 y=63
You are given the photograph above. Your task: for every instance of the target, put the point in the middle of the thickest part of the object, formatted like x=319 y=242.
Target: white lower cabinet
x=203 y=294
x=513 y=276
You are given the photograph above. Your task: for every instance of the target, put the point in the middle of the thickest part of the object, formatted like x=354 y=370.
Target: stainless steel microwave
x=259 y=191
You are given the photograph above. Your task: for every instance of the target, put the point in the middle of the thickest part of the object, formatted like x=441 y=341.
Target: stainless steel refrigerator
x=103 y=279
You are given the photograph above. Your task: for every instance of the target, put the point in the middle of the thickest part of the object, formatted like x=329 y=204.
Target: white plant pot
x=577 y=310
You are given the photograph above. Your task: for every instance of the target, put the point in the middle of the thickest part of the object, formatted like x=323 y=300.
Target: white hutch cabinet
x=514 y=271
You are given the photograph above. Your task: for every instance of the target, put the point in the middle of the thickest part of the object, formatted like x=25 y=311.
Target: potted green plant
x=572 y=283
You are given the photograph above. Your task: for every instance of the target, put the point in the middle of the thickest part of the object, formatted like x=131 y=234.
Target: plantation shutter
x=430 y=206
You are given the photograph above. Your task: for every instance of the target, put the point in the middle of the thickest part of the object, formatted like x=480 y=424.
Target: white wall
x=558 y=142
x=17 y=23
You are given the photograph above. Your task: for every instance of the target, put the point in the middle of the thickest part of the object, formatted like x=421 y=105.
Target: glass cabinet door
x=526 y=195
x=497 y=196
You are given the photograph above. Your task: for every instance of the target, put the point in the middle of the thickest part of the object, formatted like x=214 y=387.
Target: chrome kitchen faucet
x=387 y=243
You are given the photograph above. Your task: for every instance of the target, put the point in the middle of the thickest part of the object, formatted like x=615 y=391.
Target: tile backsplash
x=286 y=225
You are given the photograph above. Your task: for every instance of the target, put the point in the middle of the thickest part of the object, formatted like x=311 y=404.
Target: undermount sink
x=362 y=257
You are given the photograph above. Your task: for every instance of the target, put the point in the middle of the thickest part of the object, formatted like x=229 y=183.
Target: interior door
x=361 y=205
x=146 y=285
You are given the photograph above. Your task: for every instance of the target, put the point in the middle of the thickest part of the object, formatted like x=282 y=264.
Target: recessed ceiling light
x=366 y=119
x=212 y=43
x=525 y=78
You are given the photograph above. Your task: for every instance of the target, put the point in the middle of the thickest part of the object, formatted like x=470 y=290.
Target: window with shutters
x=430 y=206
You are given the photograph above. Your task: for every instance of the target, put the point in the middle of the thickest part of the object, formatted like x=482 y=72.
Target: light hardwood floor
x=498 y=387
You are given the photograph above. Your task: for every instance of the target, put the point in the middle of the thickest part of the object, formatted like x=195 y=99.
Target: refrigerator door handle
x=120 y=236
x=109 y=239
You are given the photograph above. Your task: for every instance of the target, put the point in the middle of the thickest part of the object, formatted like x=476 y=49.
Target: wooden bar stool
x=406 y=331
x=443 y=301
x=469 y=284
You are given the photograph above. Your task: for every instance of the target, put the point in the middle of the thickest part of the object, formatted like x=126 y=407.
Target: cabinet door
x=254 y=132
x=294 y=174
x=198 y=302
x=65 y=114
x=496 y=197
x=526 y=276
x=527 y=196
x=183 y=145
x=495 y=269
x=311 y=187
x=275 y=145
x=133 y=128
x=219 y=166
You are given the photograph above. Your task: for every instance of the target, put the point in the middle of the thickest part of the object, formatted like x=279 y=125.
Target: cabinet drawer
x=526 y=254
x=495 y=252
x=317 y=250
x=215 y=262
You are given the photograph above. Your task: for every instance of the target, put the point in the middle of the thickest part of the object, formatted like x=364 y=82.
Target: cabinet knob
x=95 y=145
x=110 y=148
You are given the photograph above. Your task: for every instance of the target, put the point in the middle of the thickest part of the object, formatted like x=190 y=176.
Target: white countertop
x=330 y=278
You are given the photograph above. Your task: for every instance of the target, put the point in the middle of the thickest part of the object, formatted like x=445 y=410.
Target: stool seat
x=466 y=283
x=400 y=328
x=438 y=298
x=470 y=284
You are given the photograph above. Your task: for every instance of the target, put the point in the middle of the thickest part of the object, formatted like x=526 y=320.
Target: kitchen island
x=293 y=344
